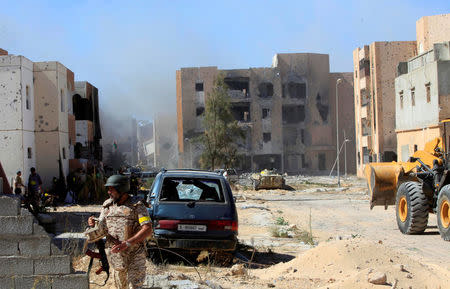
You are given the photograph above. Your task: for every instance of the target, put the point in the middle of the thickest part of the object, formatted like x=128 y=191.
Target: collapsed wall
x=28 y=259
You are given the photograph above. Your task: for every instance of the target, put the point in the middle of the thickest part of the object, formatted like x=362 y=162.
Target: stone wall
x=28 y=259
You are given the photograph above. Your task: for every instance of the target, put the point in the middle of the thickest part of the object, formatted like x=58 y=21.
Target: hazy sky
x=131 y=51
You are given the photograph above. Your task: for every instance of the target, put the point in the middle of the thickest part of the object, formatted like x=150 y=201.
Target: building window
x=62 y=100
x=415 y=148
x=401 y=99
x=322 y=162
x=413 y=96
x=265 y=113
x=30 y=153
x=428 y=91
x=265 y=89
x=302 y=156
x=297 y=90
x=199 y=86
x=200 y=110
x=64 y=153
x=27 y=98
x=302 y=135
x=267 y=136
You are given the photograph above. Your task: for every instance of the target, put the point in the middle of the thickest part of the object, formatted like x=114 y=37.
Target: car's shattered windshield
x=191 y=189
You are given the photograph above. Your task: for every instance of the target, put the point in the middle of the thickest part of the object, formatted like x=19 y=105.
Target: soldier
x=134 y=183
x=34 y=191
x=18 y=184
x=126 y=222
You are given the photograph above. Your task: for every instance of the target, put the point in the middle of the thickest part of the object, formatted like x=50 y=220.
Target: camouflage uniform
x=122 y=222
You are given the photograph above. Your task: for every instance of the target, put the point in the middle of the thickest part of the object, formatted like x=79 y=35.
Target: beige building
x=287 y=112
x=87 y=149
x=375 y=68
x=165 y=140
x=53 y=106
x=422 y=100
x=430 y=30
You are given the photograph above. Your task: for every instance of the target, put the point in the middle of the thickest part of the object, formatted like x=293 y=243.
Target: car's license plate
x=192 y=228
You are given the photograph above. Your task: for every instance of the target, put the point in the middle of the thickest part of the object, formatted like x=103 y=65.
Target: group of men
x=32 y=193
x=124 y=220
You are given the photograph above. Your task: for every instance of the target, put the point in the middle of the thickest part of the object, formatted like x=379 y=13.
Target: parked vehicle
x=194 y=211
x=229 y=174
x=268 y=179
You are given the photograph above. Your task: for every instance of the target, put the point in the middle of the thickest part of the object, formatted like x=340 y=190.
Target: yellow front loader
x=417 y=187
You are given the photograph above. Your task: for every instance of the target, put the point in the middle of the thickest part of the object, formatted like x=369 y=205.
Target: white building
x=53 y=106
x=422 y=100
x=17 y=111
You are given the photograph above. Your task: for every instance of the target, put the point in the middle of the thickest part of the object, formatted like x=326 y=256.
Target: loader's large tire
x=411 y=208
x=443 y=212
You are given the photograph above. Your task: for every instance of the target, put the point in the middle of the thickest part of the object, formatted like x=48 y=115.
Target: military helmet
x=119 y=182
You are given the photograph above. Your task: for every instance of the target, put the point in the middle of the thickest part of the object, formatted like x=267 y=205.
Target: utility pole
x=339 y=80
x=345 y=155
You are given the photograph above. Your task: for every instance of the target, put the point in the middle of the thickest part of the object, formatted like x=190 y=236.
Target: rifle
x=100 y=244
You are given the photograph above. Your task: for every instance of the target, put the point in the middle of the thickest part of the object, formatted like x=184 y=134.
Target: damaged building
x=17 y=111
x=287 y=112
x=376 y=99
x=374 y=74
x=38 y=124
x=87 y=147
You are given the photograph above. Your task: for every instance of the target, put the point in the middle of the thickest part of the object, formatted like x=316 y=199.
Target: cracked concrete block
x=9 y=247
x=52 y=265
x=39 y=230
x=13 y=265
x=72 y=281
x=9 y=206
x=6 y=282
x=25 y=212
x=35 y=247
x=17 y=225
x=35 y=282
x=54 y=250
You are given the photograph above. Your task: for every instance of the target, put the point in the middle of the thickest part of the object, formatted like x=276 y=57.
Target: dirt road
x=349 y=242
x=343 y=214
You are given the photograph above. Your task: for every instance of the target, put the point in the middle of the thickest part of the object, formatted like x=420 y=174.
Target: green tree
x=222 y=132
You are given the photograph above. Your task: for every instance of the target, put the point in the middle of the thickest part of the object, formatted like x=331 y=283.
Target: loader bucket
x=382 y=179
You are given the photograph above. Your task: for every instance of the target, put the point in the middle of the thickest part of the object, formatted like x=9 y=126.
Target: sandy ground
x=351 y=243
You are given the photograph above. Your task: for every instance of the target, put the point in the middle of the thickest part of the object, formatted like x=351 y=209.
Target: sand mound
x=347 y=264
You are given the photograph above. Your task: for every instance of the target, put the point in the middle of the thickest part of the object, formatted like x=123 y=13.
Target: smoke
x=132 y=51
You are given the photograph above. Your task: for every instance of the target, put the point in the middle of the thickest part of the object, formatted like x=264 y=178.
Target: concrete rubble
x=28 y=259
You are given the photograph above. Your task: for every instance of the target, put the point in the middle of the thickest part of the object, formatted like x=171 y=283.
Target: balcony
x=364 y=111
x=199 y=98
x=366 y=141
x=238 y=94
x=365 y=97
x=362 y=83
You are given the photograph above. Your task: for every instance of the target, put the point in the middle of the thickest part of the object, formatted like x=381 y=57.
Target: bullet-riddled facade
x=286 y=110
x=17 y=110
x=52 y=109
x=37 y=123
x=375 y=68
